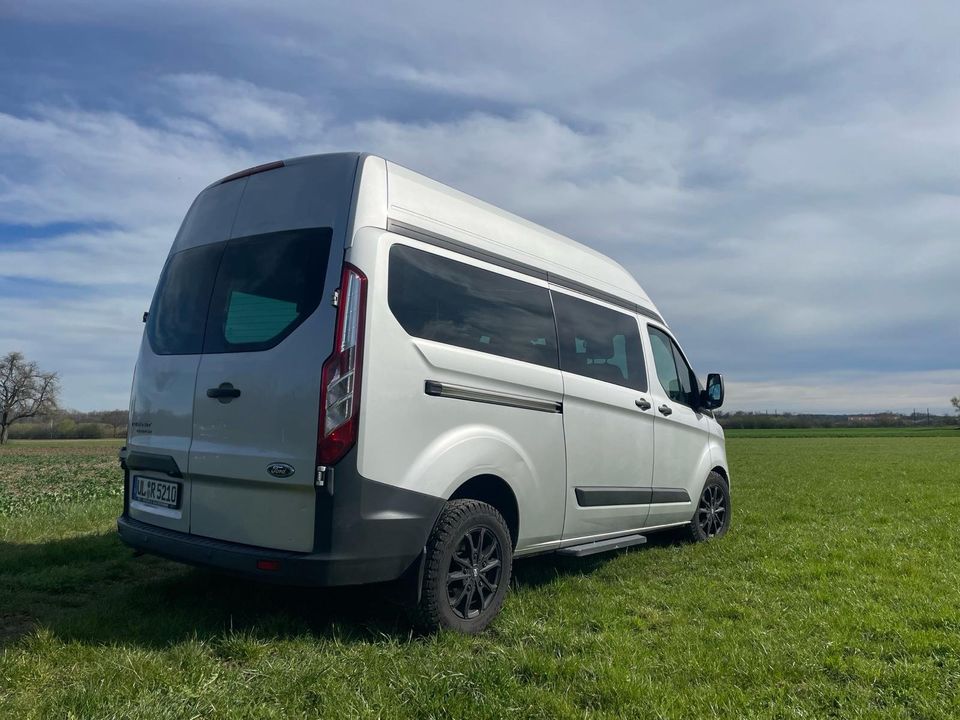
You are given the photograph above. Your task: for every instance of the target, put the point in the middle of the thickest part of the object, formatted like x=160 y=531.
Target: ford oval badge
x=280 y=470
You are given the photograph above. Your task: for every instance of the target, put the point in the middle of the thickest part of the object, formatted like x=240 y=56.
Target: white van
x=351 y=373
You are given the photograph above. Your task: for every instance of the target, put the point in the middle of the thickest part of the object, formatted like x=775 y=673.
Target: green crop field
x=836 y=594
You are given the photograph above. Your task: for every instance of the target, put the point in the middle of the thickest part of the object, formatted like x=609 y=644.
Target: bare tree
x=955 y=401
x=24 y=391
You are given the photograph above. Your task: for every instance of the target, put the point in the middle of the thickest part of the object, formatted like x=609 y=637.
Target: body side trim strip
x=600 y=496
x=492 y=397
x=594 y=497
x=669 y=495
x=432 y=238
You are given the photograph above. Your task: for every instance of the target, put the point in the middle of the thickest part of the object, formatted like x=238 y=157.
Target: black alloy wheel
x=467 y=567
x=473 y=577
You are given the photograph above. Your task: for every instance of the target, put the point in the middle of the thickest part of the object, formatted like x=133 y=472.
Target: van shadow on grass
x=92 y=589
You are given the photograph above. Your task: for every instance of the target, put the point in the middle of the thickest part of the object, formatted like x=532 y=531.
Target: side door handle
x=665 y=409
x=643 y=404
x=225 y=393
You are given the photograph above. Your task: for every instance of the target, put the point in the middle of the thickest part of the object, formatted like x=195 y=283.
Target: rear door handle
x=225 y=393
x=665 y=409
x=643 y=404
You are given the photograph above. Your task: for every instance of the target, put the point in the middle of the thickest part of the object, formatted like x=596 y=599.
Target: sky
x=783 y=179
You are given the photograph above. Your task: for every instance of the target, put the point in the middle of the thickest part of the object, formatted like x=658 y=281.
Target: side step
x=602 y=546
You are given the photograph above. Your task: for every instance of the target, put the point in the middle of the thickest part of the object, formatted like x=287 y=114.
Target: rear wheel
x=712 y=517
x=469 y=560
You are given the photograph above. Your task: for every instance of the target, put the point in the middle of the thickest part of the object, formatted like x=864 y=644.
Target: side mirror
x=712 y=397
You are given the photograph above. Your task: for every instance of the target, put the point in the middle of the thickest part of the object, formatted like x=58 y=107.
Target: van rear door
x=164 y=382
x=269 y=328
x=225 y=397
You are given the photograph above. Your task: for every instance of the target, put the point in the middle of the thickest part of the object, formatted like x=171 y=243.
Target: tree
x=116 y=419
x=25 y=392
x=955 y=401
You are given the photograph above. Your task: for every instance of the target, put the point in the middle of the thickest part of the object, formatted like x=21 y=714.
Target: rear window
x=436 y=298
x=243 y=295
x=179 y=312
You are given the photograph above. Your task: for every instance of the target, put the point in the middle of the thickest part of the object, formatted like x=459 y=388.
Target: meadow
x=836 y=594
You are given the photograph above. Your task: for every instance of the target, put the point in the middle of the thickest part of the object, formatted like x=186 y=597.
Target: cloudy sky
x=783 y=179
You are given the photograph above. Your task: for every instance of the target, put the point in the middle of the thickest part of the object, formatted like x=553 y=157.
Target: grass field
x=836 y=594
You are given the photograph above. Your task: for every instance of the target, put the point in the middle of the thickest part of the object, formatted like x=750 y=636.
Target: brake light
x=340 y=380
x=252 y=171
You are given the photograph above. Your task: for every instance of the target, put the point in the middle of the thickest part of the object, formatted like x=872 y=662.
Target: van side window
x=675 y=376
x=599 y=343
x=439 y=299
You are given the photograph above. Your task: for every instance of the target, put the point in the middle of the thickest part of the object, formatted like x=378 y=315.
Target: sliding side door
x=607 y=420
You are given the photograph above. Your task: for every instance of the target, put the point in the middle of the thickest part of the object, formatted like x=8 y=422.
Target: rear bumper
x=308 y=569
x=365 y=532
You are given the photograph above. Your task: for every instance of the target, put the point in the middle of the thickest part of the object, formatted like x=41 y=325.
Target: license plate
x=151 y=491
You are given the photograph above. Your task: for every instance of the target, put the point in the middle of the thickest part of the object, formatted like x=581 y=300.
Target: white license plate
x=151 y=491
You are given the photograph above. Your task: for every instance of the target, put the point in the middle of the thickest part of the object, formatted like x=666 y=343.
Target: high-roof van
x=351 y=373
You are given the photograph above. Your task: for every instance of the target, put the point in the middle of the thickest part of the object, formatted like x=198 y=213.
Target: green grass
x=837 y=594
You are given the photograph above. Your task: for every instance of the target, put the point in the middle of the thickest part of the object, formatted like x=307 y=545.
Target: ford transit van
x=351 y=373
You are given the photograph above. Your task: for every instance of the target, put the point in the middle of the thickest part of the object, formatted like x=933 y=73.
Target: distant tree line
x=72 y=424
x=742 y=420
x=29 y=410
x=67 y=424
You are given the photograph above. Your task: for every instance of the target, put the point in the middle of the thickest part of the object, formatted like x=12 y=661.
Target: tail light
x=340 y=383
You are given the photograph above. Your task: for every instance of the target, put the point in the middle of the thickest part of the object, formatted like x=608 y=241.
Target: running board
x=602 y=546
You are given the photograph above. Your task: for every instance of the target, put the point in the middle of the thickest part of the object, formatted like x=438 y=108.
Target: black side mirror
x=712 y=397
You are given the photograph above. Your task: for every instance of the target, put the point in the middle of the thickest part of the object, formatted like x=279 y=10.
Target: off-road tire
x=460 y=520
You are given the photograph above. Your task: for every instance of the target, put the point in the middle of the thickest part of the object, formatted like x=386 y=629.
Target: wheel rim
x=474 y=573
x=712 y=510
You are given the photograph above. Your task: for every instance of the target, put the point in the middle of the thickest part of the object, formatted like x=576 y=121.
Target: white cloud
x=91 y=341
x=780 y=179
x=237 y=107
x=103 y=167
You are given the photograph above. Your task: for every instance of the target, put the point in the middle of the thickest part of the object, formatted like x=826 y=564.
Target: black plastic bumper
x=283 y=567
x=365 y=532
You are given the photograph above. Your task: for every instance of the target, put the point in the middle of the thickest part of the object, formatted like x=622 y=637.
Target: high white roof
x=416 y=200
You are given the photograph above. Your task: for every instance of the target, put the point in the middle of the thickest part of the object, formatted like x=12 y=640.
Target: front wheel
x=712 y=517
x=469 y=558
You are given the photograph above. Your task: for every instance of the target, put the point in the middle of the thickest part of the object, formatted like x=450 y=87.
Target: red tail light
x=340 y=381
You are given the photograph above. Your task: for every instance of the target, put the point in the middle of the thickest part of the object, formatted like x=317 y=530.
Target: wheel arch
x=485 y=463
x=493 y=490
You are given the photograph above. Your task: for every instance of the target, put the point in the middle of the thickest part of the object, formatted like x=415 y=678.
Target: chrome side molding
x=491 y=397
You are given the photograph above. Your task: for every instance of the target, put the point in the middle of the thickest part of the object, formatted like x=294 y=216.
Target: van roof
x=389 y=194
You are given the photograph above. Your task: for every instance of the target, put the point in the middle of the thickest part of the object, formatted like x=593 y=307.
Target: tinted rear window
x=179 y=311
x=243 y=295
x=266 y=286
x=436 y=298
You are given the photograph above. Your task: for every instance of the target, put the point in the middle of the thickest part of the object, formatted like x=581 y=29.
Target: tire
x=707 y=525
x=458 y=593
